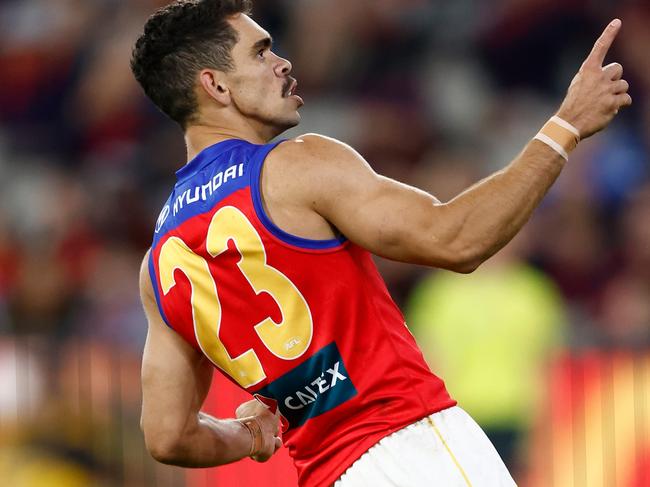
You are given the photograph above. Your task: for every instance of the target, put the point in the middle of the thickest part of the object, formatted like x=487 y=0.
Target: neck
x=200 y=136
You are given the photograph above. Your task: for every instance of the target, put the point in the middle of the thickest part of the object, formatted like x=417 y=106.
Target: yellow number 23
x=288 y=339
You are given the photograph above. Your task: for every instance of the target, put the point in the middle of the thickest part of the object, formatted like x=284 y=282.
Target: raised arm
x=403 y=223
x=175 y=381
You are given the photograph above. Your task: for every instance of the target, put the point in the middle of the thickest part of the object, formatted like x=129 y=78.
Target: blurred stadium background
x=547 y=345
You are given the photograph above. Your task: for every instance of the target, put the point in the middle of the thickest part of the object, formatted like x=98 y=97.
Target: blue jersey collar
x=206 y=156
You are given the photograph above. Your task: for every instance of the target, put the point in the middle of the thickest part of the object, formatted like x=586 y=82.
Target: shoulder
x=312 y=142
x=310 y=148
x=314 y=161
x=313 y=170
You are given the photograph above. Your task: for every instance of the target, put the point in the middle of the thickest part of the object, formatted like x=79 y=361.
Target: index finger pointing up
x=602 y=45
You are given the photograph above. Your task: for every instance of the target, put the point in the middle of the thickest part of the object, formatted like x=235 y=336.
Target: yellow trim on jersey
x=453 y=457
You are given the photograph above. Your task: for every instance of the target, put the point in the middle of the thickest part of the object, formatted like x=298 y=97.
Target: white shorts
x=446 y=449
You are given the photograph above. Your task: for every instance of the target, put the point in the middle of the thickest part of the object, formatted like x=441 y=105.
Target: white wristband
x=564 y=124
x=552 y=144
x=560 y=136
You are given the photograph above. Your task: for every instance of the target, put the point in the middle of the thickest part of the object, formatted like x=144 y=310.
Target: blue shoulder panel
x=214 y=174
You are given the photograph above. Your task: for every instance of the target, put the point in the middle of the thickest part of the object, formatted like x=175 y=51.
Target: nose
x=284 y=67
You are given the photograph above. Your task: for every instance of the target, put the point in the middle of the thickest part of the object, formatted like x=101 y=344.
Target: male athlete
x=260 y=266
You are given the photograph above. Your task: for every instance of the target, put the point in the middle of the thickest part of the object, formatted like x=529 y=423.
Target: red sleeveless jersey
x=305 y=326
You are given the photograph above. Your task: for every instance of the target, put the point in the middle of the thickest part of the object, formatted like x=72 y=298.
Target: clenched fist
x=264 y=427
x=596 y=93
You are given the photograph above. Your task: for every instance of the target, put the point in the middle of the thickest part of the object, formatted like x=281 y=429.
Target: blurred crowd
x=434 y=93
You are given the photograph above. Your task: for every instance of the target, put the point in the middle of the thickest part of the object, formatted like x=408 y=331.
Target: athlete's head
x=203 y=60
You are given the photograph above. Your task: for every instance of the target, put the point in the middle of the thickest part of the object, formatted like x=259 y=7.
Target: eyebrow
x=265 y=43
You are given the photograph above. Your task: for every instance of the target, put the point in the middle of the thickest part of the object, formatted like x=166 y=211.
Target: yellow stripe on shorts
x=453 y=457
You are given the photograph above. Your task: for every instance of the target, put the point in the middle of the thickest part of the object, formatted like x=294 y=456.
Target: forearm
x=484 y=218
x=208 y=442
x=492 y=212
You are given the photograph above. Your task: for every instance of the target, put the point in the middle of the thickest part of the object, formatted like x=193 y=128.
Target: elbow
x=448 y=247
x=165 y=452
x=164 y=448
x=468 y=258
x=462 y=259
x=465 y=266
x=165 y=457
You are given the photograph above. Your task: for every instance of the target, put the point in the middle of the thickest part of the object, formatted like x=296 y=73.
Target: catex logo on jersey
x=320 y=385
x=315 y=387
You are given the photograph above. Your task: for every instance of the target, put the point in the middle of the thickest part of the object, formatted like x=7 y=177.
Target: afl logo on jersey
x=162 y=218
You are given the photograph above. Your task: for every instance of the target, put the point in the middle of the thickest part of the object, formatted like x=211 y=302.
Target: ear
x=214 y=85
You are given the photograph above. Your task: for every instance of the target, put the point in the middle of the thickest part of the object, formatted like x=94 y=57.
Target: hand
x=269 y=424
x=596 y=94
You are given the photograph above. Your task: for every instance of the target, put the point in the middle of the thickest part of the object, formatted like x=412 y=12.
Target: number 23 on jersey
x=288 y=339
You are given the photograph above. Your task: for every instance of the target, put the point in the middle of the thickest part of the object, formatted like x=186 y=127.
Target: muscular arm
x=175 y=381
x=403 y=223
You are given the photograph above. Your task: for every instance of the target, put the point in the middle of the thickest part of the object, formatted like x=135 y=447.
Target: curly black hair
x=179 y=40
